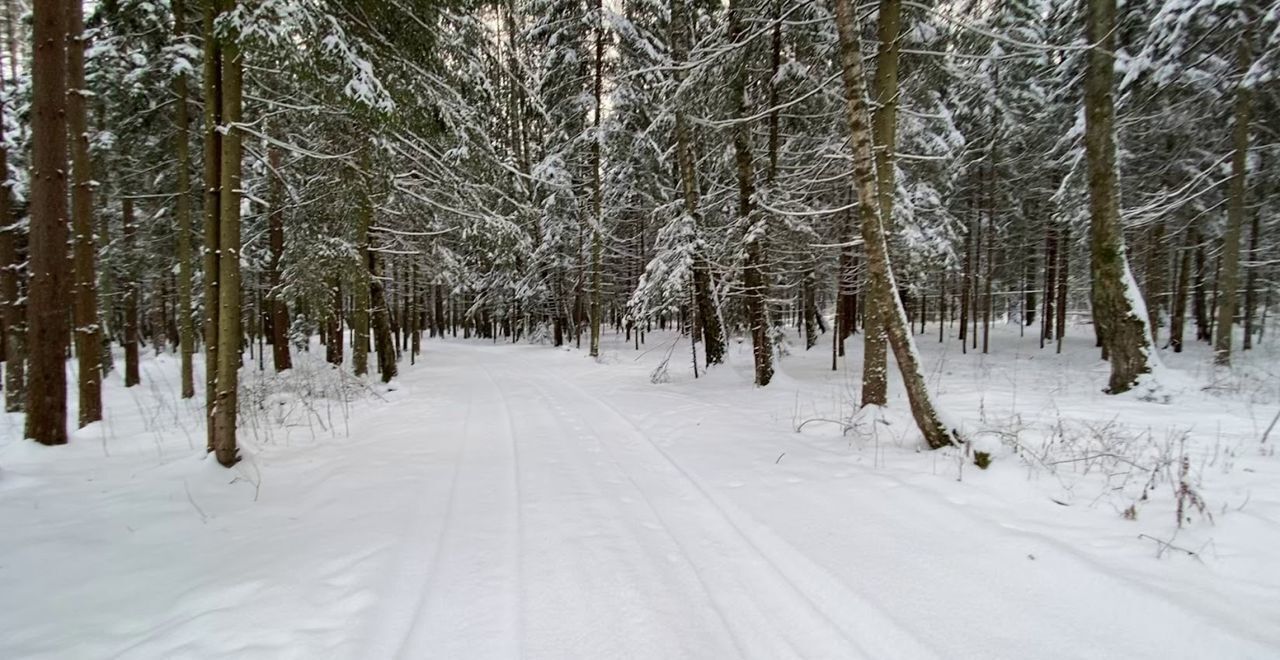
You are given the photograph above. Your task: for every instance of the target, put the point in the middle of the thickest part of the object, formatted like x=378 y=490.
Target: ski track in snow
x=513 y=501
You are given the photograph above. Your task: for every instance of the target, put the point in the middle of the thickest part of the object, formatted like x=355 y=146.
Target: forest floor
x=502 y=501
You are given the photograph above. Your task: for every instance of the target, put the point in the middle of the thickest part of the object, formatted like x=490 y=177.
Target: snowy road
x=571 y=530
x=522 y=502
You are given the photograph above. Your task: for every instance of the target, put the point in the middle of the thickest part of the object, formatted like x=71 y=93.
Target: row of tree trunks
x=879 y=269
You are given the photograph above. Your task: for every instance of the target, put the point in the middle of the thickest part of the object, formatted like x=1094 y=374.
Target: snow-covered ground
x=508 y=501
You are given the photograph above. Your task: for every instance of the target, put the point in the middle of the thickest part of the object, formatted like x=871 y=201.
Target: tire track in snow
x=600 y=581
x=684 y=556
x=518 y=552
x=411 y=574
x=815 y=589
x=466 y=607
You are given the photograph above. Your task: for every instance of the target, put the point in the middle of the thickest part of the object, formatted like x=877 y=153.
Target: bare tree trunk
x=1125 y=335
x=333 y=347
x=13 y=311
x=1213 y=298
x=1251 y=279
x=708 y=320
x=1050 y=277
x=967 y=304
x=875 y=361
x=810 y=312
x=1156 y=276
x=383 y=342
x=439 y=311
x=181 y=148
x=360 y=283
x=85 y=308
x=846 y=309
x=1235 y=204
x=942 y=306
x=1028 y=269
x=279 y=308
x=988 y=303
x=597 y=215
x=1064 y=262
x=415 y=314
x=884 y=302
x=224 y=432
x=212 y=91
x=155 y=316
x=48 y=299
x=1178 y=317
x=129 y=233
x=753 y=225
x=1198 y=308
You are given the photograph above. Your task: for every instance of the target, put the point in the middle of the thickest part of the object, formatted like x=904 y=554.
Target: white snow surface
x=502 y=501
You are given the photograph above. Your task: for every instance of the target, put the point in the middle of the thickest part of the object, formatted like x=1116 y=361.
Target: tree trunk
x=415 y=314
x=129 y=232
x=1198 y=308
x=13 y=311
x=48 y=298
x=988 y=302
x=885 y=302
x=85 y=307
x=1064 y=261
x=1117 y=304
x=753 y=225
x=1178 y=316
x=384 y=344
x=708 y=321
x=212 y=91
x=1028 y=270
x=1251 y=278
x=846 y=309
x=810 y=312
x=439 y=311
x=1155 y=268
x=1213 y=298
x=182 y=211
x=597 y=215
x=966 y=285
x=1230 y=278
x=155 y=322
x=1050 y=277
x=279 y=308
x=875 y=361
x=360 y=283
x=224 y=433
x=333 y=347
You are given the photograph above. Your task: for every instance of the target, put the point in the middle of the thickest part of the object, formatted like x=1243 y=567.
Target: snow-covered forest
x=639 y=328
